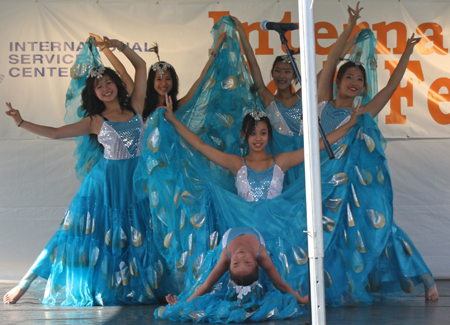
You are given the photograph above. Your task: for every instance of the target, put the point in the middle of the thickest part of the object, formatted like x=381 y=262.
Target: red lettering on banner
x=382 y=30
x=263 y=38
x=395 y=116
x=331 y=33
x=434 y=98
x=437 y=38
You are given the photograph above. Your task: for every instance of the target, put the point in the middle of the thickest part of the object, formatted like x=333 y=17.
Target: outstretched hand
x=171 y=300
x=105 y=42
x=97 y=38
x=237 y=23
x=411 y=42
x=14 y=113
x=356 y=111
x=169 y=108
x=353 y=14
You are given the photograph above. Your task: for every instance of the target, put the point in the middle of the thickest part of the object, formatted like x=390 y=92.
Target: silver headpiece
x=161 y=67
x=96 y=72
x=286 y=59
x=257 y=115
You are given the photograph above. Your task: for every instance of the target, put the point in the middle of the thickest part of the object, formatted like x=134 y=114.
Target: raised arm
x=267 y=265
x=117 y=65
x=325 y=83
x=87 y=125
x=140 y=75
x=221 y=38
x=225 y=160
x=290 y=159
x=379 y=101
x=264 y=94
x=219 y=270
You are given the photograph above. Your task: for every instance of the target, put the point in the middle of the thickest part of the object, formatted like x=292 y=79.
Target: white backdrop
x=39 y=41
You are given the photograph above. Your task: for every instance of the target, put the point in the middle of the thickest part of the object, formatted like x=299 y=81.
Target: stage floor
x=401 y=312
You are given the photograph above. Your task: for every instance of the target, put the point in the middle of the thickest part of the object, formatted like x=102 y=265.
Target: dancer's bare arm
x=384 y=95
x=88 y=125
x=225 y=160
x=117 y=65
x=325 y=83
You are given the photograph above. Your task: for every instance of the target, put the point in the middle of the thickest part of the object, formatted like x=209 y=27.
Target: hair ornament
x=286 y=59
x=159 y=66
x=371 y=62
x=96 y=72
x=257 y=115
x=242 y=291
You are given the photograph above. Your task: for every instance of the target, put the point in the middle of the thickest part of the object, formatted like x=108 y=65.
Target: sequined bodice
x=287 y=121
x=121 y=140
x=253 y=185
x=331 y=118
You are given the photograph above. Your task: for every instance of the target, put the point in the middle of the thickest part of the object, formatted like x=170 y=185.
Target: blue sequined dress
x=284 y=120
x=379 y=259
x=103 y=252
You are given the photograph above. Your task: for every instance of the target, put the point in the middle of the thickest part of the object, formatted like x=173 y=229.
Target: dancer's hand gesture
x=237 y=23
x=169 y=109
x=171 y=300
x=356 y=111
x=106 y=42
x=410 y=43
x=14 y=113
x=98 y=39
x=353 y=14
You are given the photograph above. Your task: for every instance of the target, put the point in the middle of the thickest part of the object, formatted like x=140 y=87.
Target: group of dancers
x=164 y=180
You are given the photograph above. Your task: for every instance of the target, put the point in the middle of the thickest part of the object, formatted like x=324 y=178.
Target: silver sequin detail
x=122 y=140
x=255 y=185
x=286 y=121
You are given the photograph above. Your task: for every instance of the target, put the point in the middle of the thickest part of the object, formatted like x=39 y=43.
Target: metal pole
x=312 y=162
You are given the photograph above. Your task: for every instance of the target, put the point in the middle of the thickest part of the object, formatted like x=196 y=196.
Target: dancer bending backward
x=99 y=254
x=285 y=107
x=351 y=82
x=243 y=253
x=258 y=176
x=163 y=79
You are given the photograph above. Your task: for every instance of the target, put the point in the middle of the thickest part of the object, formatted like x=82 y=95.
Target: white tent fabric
x=40 y=39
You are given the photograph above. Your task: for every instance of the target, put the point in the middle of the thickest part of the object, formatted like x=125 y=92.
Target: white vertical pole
x=312 y=161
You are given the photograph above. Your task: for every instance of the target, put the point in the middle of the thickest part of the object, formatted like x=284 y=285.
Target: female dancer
x=285 y=108
x=163 y=79
x=257 y=132
x=243 y=253
x=389 y=248
x=100 y=254
x=259 y=178
x=117 y=65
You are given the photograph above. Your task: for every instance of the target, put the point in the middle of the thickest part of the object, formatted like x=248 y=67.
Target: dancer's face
x=352 y=82
x=282 y=75
x=163 y=83
x=105 y=89
x=242 y=263
x=258 y=138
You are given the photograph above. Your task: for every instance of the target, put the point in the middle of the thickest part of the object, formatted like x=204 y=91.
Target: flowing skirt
x=103 y=252
x=193 y=203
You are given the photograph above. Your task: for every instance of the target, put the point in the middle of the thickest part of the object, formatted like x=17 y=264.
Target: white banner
x=39 y=41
